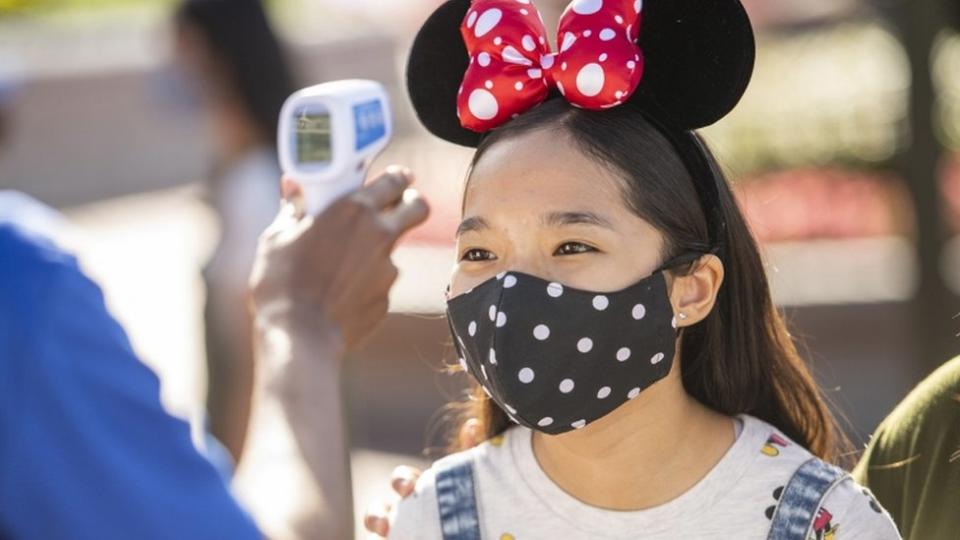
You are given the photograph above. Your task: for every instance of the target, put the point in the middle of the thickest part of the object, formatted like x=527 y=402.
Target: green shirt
x=912 y=464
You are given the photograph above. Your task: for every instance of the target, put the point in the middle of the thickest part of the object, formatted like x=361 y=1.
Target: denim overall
x=792 y=520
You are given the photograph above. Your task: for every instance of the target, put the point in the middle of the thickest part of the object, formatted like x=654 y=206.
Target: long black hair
x=243 y=43
x=741 y=358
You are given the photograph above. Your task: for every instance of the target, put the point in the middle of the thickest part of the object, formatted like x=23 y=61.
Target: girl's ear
x=694 y=294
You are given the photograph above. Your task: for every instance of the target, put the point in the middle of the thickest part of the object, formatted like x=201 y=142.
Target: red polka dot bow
x=512 y=69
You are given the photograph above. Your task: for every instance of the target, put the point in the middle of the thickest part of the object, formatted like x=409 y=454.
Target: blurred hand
x=334 y=269
x=404 y=480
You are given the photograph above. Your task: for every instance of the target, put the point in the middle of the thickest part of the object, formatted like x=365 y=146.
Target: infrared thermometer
x=329 y=134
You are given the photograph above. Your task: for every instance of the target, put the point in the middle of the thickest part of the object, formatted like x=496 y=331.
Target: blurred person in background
x=9 y=83
x=236 y=75
x=4 y=99
x=88 y=451
x=912 y=463
x=14 y=205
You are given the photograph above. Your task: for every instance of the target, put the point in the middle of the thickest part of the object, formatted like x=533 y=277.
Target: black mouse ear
x=435 y=69
x=699 y=57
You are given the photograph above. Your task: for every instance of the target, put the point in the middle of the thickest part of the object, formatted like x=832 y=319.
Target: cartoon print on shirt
x=770 y=449
x=873 y=501
x=771 y=509
x=823 y=526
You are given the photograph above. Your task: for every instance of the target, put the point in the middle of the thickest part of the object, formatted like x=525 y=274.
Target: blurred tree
x=26 y=7
x=921 y=23
x=8 y=7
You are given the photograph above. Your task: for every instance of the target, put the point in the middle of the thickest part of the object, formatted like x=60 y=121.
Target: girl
x=634 y=378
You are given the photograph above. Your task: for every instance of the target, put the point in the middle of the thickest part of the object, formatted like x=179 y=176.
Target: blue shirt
x=86 y=449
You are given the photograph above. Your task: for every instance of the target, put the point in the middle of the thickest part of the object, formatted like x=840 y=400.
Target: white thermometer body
x=329 y=133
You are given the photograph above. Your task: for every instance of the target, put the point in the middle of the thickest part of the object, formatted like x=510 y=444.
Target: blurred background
x=150 y=126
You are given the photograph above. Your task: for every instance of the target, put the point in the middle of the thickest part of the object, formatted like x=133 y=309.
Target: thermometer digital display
x=313 y=138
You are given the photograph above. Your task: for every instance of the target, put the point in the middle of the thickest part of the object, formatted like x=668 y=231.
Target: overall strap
x=801 y=498
x=456 y=498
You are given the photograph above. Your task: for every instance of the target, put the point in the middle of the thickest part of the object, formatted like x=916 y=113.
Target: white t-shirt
x=517 y=501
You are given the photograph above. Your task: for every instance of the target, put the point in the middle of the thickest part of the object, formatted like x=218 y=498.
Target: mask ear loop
x=685 y=258
x=681 y=260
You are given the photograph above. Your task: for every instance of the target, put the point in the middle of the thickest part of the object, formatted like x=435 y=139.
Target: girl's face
x=536 y=204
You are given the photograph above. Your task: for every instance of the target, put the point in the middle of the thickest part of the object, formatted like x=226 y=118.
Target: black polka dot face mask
x=557 y=358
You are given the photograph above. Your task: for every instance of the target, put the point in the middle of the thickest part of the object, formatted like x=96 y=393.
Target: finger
x=375 y=536
x=470 y=433
x=289 y=188
x=376 y=520
x=286 y=217
x=386 y=190
x=412 y=212
x=404 y=480
x=292 y=192
x=288 y=211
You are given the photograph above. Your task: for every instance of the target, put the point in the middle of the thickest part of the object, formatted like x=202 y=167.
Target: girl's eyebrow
x=560 y=219
x=472 y=224
x=552 y=219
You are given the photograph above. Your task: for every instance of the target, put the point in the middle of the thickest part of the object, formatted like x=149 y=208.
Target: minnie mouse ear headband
x=476 y=64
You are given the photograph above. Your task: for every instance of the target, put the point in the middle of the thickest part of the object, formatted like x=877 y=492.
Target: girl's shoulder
x=418 y=516
x=848 y=510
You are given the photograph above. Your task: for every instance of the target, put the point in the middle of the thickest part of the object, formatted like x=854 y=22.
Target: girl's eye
x=477 y=255
x=574 y=248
